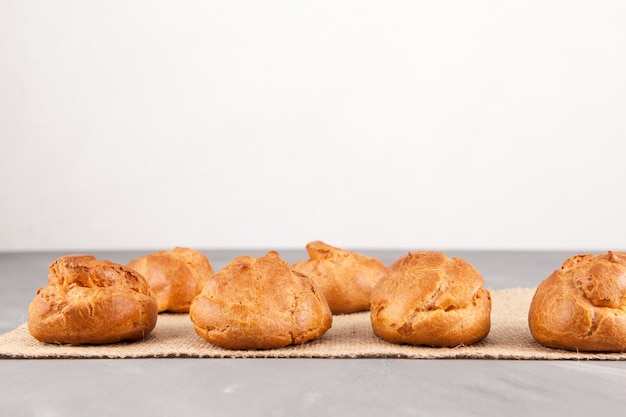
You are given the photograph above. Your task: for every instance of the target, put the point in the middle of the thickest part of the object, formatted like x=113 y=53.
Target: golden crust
x=175 y=276
x=582 y=306
x=429 y=299
x=345 y=278
x=259 y=304
x=90 y=301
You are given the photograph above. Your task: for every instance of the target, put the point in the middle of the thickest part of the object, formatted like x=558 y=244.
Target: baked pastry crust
x=429 y=299
x=90 y=301
x=259 y=304
x=175 y=276
x=582 y=306
x=346 y=278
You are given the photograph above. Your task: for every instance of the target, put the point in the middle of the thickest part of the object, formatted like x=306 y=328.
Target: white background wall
x=418 y=124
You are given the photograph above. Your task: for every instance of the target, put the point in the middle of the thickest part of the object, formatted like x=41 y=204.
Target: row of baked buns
x=424 y=298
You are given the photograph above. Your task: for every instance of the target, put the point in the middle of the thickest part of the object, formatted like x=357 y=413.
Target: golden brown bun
x=345 y=278
x=428 y=299
x=259 y=304
x=582 y=306
x=90 y=301
x=175 y=277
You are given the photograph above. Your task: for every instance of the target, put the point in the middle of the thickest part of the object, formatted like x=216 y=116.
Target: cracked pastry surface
x=429 y=299
x=90 y=301
x=346 y=278
x=175 y=277
x=582 y=306
x=259 y=304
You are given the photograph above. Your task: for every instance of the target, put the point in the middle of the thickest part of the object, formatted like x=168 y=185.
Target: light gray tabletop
x=315 y=387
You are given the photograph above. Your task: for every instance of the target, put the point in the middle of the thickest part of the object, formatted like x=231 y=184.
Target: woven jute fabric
x=351 y=336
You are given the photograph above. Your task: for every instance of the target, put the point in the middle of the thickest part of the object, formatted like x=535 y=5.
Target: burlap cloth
x=350 y=337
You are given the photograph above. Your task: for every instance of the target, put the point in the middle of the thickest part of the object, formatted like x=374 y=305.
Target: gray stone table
x=302 y=387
